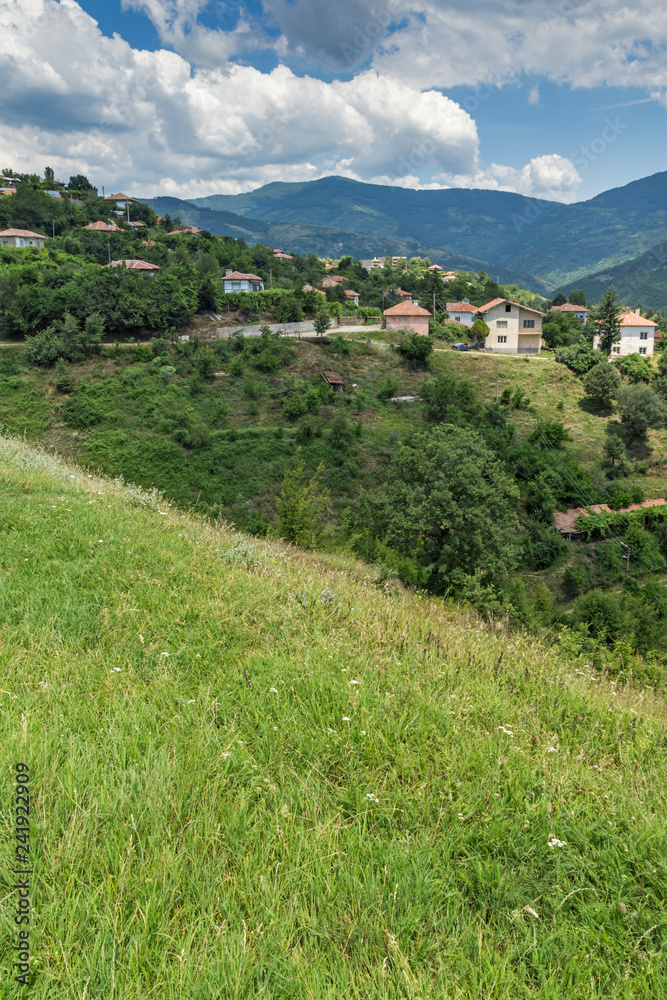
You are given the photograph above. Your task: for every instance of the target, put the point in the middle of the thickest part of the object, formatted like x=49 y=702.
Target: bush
x=635 y=367
x=549 y=434
x=81 y=412
x=601 y=383
x=579 y=357
x=416 y=349
x=387 y=388
x=640 y=408
x=600 y=616
x=294 y=406
x=64 y=381
x=542 y=546
x=577 y=579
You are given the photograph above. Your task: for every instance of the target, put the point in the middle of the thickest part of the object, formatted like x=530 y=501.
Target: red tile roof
x=566 y=521
x=352 y=295
x=461 y=307
x=406 y=295
x=497 y=302
x=568 y=307
x=237 y=276
x=632 y=319
x=102 y=227
x=26 y=234
x=309 y=288
x=435 y=267
x=406 y=309
x=134 y=265
x=119 y=197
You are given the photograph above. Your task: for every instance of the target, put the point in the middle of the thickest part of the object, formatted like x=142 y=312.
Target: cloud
x=534 y=95
x=154 y=121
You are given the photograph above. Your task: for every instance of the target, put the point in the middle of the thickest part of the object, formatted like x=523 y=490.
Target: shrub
x=294 y=406
x=64 y=381
x=542 y=546
x=81 y=412
x=635 y=367
x=416 y=349
x=600 y=615
x=601 y=383
x=387 y=388
x=577 y=579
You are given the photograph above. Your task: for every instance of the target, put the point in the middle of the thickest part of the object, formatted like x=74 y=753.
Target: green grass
x=202 y=822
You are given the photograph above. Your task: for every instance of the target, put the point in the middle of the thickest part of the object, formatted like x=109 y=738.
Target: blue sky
x=557 y=99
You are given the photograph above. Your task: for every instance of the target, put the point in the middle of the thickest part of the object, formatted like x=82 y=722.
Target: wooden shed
x=335 y=383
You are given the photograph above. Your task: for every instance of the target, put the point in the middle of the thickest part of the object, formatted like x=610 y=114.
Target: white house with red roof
x=352 y=297
x=21 y=238
x=462 y=312
x=513 y=327
x=236 y=281
x=637 y=336
x=570 y=309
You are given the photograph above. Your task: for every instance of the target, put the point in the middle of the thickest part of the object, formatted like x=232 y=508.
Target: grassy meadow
x=258 y=773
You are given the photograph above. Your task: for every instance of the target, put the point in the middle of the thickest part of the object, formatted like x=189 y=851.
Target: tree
x=608 y=324
x=577 y=297
x=80 y=183
x=322 y=322
x=301 y=505
x=560 y=329
x=450 y=505
x=640 y=408
x=558 y=300
x=416 y=348
x=613 y=462
x=479 y=330
x=601 y=384
x=635 y=368
x=48 y=174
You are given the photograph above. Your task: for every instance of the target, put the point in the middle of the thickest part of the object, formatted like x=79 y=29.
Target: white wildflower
x=115 y=670
x=274 y=690
x=346 y=718
x=552 y=750
x=555 y=842
x=506 y=731
x=355 y=682
x=371 y=797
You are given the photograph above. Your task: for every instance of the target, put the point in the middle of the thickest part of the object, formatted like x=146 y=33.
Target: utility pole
x=270 y=277
x=433 y=305
x=627 y=558
x=497 y=371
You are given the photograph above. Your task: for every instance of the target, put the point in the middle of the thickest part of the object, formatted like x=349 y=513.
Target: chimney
x=228 y=270
x=637 y=312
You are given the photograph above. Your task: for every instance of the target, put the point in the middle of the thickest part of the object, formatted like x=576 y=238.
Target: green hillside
x=255 y=772
x=643 y=278
x=303 y=237
x=554 y=243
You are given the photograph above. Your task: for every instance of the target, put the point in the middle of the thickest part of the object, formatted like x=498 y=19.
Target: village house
x=513 y=328
x=21 y=238
x=7 y=190
x=235 y=281
x=405 y=296
x=332 y=280
x=310 y=288
x=281 y=255
x=408 y=316
x=462 y=312
x=352 y=297
x=579 y=312
x=102 y=227
x=637 y=336
x=136 y=265
x=449 y=276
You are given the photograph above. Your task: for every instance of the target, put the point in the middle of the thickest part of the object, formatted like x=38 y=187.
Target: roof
x=332 y=378
x=566 y=521
x=134 y=265
x=406 y=309
x=632 y=319
x=119 y=197
x=408 y=295
x=237 y=276
x=332 y=280
x=352 y=295
x=511 y=302
x=460 y=307
x=281 y=255
x=569 y=307
x=309 y=288
x=435 y=267
x=102 y=227
x=25 y=233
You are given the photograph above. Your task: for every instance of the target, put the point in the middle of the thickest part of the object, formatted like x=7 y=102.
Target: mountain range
x=539 y=244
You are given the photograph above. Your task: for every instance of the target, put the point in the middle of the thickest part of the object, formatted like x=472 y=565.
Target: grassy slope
x=201 y=821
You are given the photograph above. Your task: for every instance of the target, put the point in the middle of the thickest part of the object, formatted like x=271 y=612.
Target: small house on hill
x=21 y=238
x=637 y=335
x=462 y=312
x=566 y=522
x=310 y=288
x=335 y=383
x=408 y=316
x=102 y=227
x=235 y=281
x=352 y=297
x=570 y=309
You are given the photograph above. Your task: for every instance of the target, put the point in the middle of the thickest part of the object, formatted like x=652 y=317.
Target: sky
x=557 y=99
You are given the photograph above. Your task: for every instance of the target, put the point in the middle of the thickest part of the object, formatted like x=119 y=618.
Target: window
x=508 y=308
x=529 y=324
x=643 y=335
x=616 y=350
x=502 y=340
x=501 y=324
x=642 y=350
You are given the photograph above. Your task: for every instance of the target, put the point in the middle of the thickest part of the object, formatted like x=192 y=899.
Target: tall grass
x=257 y=773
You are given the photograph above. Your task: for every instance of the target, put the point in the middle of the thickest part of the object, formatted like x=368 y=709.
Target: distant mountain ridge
x=554 y=243
x=642 y=279
x=539 y=244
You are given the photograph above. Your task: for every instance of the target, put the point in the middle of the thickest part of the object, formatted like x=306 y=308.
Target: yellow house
x=513 y=328
x=21 y=238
